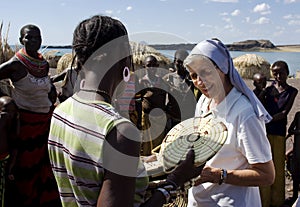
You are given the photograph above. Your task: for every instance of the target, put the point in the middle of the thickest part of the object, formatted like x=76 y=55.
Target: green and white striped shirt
x=76 y=139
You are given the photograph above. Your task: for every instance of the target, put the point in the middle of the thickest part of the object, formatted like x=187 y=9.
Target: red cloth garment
x=34 y=183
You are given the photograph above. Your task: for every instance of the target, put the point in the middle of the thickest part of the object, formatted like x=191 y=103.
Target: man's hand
x=186 y=170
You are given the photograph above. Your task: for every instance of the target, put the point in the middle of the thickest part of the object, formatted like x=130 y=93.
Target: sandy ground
x=279 y=48
x=289 y=48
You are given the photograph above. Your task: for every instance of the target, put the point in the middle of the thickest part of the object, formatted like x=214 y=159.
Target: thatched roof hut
x=249 y=64
x=141 y=51
x=64 y=62
x=52 y=56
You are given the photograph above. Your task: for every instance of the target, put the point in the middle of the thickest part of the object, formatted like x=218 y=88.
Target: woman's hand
x=209 y=174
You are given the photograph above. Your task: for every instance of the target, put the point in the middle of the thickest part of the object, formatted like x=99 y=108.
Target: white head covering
x=218 y=53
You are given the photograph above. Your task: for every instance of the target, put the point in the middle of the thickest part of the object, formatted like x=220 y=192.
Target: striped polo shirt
x=76 y=139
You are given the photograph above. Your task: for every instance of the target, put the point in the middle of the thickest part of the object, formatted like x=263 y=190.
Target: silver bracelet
x=165 y=193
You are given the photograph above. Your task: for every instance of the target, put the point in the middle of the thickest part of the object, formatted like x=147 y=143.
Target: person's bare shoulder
x=12 y=69
x=11 y=64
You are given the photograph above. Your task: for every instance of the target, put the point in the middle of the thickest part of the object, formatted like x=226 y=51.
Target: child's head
x=151 y=63
x=259 y=81
x=179 y=57
x=280 y=71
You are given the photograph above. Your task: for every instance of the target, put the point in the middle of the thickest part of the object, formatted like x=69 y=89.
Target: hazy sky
x=161 y=21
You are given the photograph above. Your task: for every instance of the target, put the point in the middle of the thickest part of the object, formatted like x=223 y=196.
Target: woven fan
x=205 y=135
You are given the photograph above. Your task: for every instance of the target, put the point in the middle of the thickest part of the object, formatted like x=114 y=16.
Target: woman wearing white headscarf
x=232 y=176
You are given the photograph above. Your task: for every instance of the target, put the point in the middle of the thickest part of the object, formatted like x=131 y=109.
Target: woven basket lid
x=205 y=135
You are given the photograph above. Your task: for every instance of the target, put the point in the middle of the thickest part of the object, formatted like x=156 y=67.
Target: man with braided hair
x=94 y=150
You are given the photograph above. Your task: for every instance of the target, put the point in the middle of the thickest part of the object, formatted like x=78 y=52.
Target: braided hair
x=93 y=33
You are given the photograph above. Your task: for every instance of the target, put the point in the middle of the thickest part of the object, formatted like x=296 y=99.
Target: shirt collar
x=223 y=108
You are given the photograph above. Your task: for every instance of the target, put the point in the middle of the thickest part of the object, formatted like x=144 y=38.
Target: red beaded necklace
x=35 y=66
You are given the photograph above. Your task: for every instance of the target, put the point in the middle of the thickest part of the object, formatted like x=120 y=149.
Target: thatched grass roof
x=64 y=62
x=52 y=56
x=141 y=51
x=249 y=64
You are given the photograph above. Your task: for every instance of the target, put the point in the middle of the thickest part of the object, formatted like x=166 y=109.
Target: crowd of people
x=83 y=146
x=278 y=98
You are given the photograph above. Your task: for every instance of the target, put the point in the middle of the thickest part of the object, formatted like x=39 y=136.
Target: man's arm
x=121 y=158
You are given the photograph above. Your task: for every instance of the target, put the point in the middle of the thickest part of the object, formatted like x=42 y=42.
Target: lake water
x=292 y=58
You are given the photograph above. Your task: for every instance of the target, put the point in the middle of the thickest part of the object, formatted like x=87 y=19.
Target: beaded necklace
x=102 y=93
x=35 y=66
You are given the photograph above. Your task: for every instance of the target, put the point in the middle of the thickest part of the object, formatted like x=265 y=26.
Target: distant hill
x=173 y=46
x=251 y=45
x=246 y=45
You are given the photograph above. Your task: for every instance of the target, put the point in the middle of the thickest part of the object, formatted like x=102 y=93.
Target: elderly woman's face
x=206 y=77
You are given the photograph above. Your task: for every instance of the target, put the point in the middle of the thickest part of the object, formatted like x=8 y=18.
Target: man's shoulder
x=293 y=89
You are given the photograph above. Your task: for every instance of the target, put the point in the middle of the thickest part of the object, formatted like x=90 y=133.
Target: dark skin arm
x=185 y=171
x=261 y=96
x=4 y=134
x=117 y=189
x=12 y=69
x=13 y=151
x=292 y=129
x=283 y=114
x=295 y=131
x=15 y=70
x=9 y=128
x=58 y=77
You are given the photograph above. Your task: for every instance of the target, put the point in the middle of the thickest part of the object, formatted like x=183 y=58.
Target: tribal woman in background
x=34 y=184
